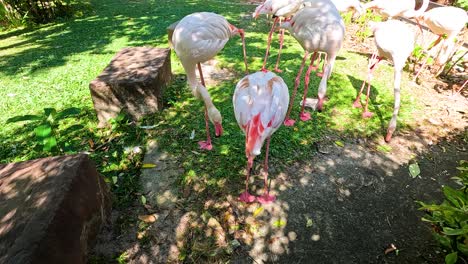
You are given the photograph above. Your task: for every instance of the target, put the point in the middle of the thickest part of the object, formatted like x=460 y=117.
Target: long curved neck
x=422 y=9
x=190 y=70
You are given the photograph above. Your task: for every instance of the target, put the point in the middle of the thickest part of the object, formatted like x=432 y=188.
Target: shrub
x=449 y=219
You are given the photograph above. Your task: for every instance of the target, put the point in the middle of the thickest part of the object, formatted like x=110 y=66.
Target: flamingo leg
x=373 y=61
x=396 y=106
x=320 y=74
x=287 y=120
x=205 y=144
x=281 y=39
x=266 y=197
x=246 y=197
x=269 y=44
x=306 y=115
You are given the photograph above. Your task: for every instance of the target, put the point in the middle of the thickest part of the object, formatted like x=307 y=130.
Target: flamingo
x=442 y=21
x=197 y=38
x=260 y=103
x=395 y=42
x=397 y=8
x=318 y=27
x=280 y=9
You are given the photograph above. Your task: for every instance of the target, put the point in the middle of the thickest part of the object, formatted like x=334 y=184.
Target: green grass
x=52 y=65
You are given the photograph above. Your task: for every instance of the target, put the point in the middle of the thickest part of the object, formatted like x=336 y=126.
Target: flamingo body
x=394 y=41
x=197 y=38
x=318 y=27
x=260 y=103
x=395 y=8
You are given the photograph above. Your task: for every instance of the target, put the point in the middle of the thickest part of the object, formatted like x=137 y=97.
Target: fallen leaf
x=309 y=222
x=258 y=211
x=390 y=249
x=339 y=143
x=414 y=170
x=148 y=166
x=148 y=218
x=279 y=223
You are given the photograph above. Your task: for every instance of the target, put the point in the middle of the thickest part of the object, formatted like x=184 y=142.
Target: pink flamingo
x=280 y=9
x=318 y=27
x=260 y=104
x=197 y=38
x=394 y=41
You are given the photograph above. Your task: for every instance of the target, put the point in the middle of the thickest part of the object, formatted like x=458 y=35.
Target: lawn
x=51 y=66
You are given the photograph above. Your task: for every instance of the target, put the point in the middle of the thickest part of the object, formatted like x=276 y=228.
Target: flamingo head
x=215 y=117
x=236 y=31
x=265 y=8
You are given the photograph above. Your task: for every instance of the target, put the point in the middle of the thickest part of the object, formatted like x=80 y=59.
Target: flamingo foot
x=289 y=122
x=278 y=70
x=205 y=145
x=246 y=197
x=264 y=70
x=357 y=104
x=367 y=114
x=266 y=198
x=319 y=74
x=305 y=116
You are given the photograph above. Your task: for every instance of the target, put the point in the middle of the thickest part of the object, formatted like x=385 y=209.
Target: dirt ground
x=346 y=204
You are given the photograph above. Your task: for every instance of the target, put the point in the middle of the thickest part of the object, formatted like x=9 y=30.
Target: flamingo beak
x=218 y=129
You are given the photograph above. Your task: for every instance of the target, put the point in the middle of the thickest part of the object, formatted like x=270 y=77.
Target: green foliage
x=365 y=31
x=450 y=218
x=21 y=12
x=47 y=130
x=462 y=4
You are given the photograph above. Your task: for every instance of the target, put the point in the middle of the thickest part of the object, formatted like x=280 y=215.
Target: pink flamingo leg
x=242 y=35
x=266 y=197
x=287 y=120
x=205 y=144
x=357 y=101
x=269 y=43
x=281 y=39
x=320 y=74
x=246 y=197
x=305 y=115
x=373 y=62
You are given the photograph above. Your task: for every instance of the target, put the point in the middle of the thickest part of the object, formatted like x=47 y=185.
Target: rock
x=51 y=209
x=133 y=81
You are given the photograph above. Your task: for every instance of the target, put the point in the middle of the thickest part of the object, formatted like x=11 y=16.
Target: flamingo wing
x=200 y=36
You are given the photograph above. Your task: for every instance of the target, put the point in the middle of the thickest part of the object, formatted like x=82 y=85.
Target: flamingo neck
x=418 y=13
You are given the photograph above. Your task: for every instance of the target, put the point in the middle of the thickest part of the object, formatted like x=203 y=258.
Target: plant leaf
x=143 y=199
x=451 y=258
x=43 y=131
x=453 y=232
x=443 y=240
x=414 y=170
x=49 y=112
x=68 y=112
x=24 y=118
x=49 y=143
x=463 y=248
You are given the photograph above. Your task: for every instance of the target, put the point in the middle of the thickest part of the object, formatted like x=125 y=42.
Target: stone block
x=134 y=81
x=51 y=209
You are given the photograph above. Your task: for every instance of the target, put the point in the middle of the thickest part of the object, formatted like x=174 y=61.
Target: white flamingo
x=448 y=21
x=280 y=10
x=197 y=38
x=318 y=27
x=260 y=104
x=397 y=8
x=394 y=41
